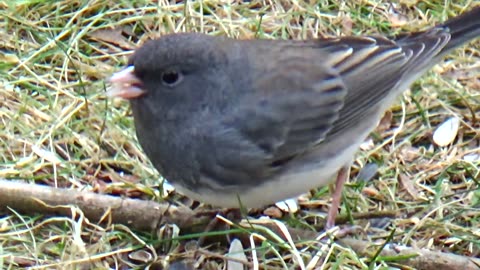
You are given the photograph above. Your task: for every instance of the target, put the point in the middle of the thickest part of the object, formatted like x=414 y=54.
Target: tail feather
x=462 y=28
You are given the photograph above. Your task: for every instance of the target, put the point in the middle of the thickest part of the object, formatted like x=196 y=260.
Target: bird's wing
x=304 y=93
x=378 y=70
x=289 y=106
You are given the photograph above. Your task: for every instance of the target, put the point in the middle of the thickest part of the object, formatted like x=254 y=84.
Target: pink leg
x=337 y=196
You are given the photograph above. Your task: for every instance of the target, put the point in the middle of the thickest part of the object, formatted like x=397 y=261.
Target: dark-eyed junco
x=258 y=121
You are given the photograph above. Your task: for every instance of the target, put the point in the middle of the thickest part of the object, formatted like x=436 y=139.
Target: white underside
x=284 y=187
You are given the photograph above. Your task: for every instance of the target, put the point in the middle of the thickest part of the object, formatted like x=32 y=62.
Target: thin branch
x=149 y=215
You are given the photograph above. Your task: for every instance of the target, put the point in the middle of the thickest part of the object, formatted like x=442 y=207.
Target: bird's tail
x=462 y=28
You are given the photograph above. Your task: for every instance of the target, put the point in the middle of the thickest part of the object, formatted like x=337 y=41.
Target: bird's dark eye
x=171 y=77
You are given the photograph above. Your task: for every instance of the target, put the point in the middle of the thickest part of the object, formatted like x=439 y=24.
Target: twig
x=137 y=214
x=149 y=215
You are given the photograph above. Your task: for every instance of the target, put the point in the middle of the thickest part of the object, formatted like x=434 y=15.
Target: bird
x=232 y=122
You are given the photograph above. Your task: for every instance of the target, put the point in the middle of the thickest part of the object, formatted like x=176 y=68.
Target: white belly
x=283 y=187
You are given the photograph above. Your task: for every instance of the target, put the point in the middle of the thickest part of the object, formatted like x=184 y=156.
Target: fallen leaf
x=386 y=122
x=112 y=36
x=408 y=185
x=371 y=192
x=273 y=212
x=347 y=25
x=408 y=153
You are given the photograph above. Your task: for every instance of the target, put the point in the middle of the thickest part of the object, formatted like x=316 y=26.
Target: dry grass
x=58 y=128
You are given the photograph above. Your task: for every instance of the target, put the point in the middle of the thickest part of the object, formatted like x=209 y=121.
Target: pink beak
x=125 y=84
